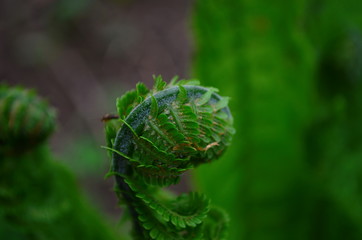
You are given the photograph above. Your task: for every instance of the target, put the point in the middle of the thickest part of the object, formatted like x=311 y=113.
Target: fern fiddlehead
x=25 y=119
x=160 y=134
x=39 y=197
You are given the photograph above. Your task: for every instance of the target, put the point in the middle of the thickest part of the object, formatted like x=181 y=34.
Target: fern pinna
x=160 y=134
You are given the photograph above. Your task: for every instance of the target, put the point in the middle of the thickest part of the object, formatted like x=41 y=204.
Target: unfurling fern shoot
x=25 y=120
x=160 y=134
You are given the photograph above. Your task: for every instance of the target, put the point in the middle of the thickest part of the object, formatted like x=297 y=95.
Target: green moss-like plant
x=160 y=134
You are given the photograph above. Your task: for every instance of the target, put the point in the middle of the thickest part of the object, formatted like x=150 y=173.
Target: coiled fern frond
x=25 y=118
x=159 y=134
x=39 y=197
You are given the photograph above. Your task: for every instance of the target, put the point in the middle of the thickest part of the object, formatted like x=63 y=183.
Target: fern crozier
x=160 y=134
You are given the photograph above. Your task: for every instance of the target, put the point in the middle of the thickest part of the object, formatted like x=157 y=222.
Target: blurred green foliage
x=293 y=71
x=89 y=157
x=39 y=198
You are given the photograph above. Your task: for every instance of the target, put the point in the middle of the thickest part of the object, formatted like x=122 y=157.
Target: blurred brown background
x=81 y=55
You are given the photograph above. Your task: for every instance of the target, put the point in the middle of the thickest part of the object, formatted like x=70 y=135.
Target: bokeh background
x=293 y=70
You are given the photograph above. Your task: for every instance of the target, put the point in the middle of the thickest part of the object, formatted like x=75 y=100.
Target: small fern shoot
x=159 y=134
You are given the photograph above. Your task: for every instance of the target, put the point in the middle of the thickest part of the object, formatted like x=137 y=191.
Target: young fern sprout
x=39 y=197
x=160 y=134
x=25 y=120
